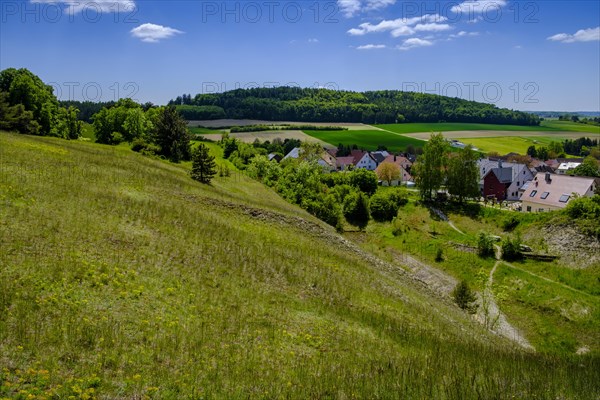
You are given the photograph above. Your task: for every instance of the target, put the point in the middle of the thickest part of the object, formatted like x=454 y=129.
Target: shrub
x=365 y=181
x=384 y=205
x=383 y=208
x=139 y=145
x=510 y=223
x=511 y=249
x=464 y=297
x=439 y=255
x=356 y=209
x=485 y=245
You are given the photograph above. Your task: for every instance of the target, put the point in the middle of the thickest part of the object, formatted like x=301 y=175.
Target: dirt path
x=490 y=315
x=455 y=228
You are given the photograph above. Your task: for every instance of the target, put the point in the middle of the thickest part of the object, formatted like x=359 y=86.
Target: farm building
x=548 y=192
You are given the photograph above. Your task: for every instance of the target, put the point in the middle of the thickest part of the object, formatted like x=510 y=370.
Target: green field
x=457 y=126
x=367 y=139
x=570 y=126
x=549 y=125
x=508 y=144
x=120 y=277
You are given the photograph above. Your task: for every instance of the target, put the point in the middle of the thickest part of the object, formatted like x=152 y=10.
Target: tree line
x=28 y=105
x=372 y=107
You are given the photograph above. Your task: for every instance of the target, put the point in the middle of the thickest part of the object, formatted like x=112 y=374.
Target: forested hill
x=324 y=105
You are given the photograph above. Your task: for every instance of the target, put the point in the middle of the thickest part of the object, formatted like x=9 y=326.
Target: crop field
x=218 y=123
x=570 y=126
x=508 y=144
x=249 y=137
x=427 y=127
x=367 y=139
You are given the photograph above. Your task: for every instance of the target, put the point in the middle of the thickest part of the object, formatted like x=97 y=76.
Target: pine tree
x=171 y=135
x=464 y=297
x=203 y=164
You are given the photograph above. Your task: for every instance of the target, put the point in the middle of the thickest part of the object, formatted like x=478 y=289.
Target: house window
x=528 y=208
x=533 y=193
x=540 y=209
x=564 y=198
x=544 y=195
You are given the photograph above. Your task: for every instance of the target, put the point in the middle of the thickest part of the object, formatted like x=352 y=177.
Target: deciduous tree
x=429 y=170
x=388 y=172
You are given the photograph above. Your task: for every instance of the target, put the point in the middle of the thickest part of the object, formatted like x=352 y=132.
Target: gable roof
x=504 y=175
x=342 y=162
x=357 y=155
x=548 y=189
x=294 y=153
x=378 y=157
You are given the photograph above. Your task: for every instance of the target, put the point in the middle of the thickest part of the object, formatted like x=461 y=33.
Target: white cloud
x=414 y=43
x=463 y=34
x=403 y=26
x=313 y=40
x=106 y=6
x=472 y=7
x=351 y=8
x=582 y=35
x=371 y=47
x=152 y=33
x=378 y=4
x=432 y=27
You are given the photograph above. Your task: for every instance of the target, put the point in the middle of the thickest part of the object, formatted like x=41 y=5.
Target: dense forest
x=323 y=105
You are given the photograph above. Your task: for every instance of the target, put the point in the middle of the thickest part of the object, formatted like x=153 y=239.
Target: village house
x=501 y=180
x=548 y=192
x=564 y=167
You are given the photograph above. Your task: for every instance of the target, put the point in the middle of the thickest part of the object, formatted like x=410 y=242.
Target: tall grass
x=120 y=277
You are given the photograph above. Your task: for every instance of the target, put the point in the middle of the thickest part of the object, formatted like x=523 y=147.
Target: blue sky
x=525 y=55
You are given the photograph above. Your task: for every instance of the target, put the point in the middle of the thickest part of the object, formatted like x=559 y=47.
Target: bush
x=139 y=145
x=511 y=249
x=510 y=223
x=439 y=255
x=356 y=209
x=326 y=208
x=464 y=297
x=485 y=245
x=365 y=181
x=383 y=208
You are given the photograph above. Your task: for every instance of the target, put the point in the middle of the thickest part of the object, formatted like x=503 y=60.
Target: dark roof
x=378 y=157
x=504 y=175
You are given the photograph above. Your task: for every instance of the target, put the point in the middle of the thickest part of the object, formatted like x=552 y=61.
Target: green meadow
x=367 y=139
x=510 y=144
x=458 y=126
x=121 y=277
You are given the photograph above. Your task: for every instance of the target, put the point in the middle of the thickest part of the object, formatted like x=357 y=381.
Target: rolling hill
x=120 y=277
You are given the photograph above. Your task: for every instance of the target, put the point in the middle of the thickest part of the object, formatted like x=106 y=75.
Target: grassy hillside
x=120 y=277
